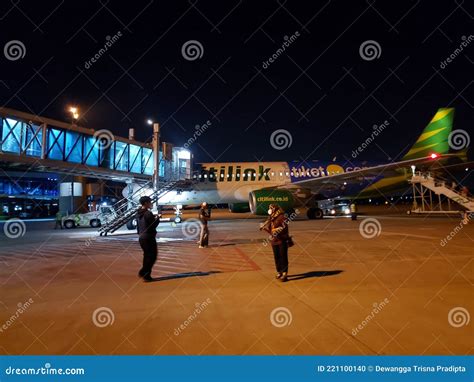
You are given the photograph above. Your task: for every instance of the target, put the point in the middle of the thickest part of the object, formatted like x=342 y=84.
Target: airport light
x=149 y=121
x=74 y=112
x=434 y=156
x=184 y=154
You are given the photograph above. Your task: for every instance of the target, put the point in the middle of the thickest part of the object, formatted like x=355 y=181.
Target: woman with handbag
x=280 y=239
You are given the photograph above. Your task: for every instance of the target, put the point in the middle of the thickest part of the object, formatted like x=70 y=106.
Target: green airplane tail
x=434 y=138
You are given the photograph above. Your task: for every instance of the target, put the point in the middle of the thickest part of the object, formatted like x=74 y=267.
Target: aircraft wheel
x=315 y=213
x=132 y=223
x=319 y=214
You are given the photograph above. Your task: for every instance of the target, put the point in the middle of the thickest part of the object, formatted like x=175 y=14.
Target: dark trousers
x=58 y=223
x=280 y=253
x=150 y=253
x=204 y=237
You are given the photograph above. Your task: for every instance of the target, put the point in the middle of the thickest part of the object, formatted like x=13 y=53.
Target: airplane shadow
x=183 y=275
x=313 y=274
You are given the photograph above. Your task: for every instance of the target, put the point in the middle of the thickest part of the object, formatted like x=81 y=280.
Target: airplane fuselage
x=232 y=182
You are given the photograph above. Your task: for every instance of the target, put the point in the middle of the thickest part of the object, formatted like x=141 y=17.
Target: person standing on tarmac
x=147 y=223
x=58 y=220
x=277 y=226
x=353 y=209
x=204 y=217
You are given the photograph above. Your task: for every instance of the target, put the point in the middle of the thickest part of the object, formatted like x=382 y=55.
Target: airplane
x=254 y=185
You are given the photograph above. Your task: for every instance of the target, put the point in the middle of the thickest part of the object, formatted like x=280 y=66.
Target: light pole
x=75 y=116
x=156 y=155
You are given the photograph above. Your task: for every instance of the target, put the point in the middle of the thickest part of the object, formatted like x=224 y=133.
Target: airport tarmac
x=385 y=284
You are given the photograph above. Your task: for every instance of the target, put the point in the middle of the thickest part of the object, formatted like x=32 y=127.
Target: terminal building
x=48 y=166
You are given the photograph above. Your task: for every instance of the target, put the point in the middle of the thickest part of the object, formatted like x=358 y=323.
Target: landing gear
x=177 y=211
x=132 y=223
x=315 y=213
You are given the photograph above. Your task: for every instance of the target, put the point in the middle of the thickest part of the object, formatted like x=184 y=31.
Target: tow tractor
x=92 y=219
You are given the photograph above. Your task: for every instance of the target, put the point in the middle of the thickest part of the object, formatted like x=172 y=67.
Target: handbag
x=290 y=241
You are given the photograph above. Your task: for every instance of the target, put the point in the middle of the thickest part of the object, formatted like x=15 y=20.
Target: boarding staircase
x=442 y=187
x=126 y=208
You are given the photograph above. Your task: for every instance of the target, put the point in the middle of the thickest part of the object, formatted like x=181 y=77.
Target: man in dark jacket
x=147 y=223
x=204 y=216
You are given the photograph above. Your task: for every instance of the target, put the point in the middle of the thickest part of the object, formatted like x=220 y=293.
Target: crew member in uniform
x=147 y=223
x=353 y=209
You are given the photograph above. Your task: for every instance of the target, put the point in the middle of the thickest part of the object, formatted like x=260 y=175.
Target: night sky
x=319 y=89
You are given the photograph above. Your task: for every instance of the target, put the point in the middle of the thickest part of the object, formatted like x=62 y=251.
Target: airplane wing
x=384 y=170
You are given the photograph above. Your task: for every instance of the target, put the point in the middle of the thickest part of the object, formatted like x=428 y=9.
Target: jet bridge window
x=147 y=161
x=55 y=144
x=73 y=147
x=135 y=158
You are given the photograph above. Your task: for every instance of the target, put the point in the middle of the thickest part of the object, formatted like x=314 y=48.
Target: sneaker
x=284 y=277
x=201 y=246
x=278 y=275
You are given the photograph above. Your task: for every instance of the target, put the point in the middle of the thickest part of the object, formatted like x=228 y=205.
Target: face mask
x=269 y=212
